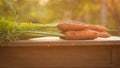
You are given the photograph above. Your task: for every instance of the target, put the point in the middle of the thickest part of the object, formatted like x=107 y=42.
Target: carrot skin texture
x=80 y=26
x=104 y=34
x=81 y=35
x=98 y=28
x=72 y=26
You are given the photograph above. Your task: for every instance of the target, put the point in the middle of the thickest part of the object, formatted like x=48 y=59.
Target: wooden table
x=52 y=52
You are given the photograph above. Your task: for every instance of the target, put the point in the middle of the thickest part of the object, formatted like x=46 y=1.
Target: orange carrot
x=98 y=28
x=104 y=34
x=77 y=26
x=81 y=35
x=72 y=26
x=80 y=31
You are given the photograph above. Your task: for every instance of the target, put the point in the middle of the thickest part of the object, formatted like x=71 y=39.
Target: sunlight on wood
x=47 y=38
x=115 y=38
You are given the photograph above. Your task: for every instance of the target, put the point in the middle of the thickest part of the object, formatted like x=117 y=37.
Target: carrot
x=77 y=26
x=98 y=28
x=72 y=26
x=104 y=34
x=81 y=35
x=80 y=31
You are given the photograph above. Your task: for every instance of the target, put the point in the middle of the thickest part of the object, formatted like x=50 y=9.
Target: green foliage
x=10 y=31
x=7 y=28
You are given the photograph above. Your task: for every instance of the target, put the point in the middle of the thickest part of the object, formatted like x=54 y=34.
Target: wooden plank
x=115 y=56
x=60 y=57
x=55 y=41
x=119 y=56
x=65 y=43
x=56 y=67
x=60 y=54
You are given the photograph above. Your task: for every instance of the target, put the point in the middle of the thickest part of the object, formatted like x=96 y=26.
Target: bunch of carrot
x=75 y=30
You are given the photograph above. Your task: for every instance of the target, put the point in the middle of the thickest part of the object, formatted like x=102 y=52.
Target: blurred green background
x=102 y=12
